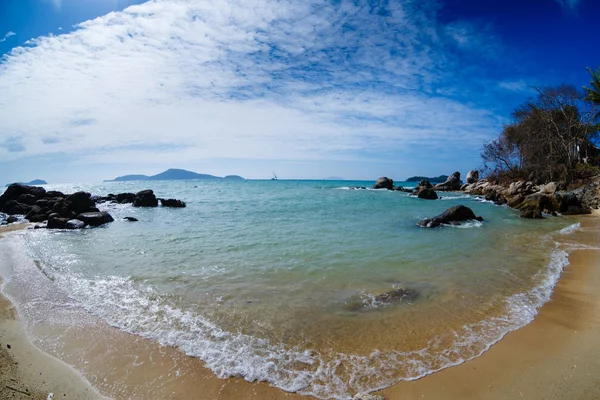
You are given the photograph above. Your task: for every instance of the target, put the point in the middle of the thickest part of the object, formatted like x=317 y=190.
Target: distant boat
x=274 y=178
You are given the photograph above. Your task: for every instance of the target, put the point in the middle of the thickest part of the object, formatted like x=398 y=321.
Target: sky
x=94 y=89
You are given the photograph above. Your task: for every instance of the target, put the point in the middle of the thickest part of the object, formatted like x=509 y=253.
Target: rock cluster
x=533 y=200
x=424 y=190
x=452 y=183
x=68 y=211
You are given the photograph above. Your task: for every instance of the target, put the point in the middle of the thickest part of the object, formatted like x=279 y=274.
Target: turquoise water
x=276 y=280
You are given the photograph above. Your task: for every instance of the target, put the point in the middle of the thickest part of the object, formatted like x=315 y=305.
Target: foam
x=570 y=229
x=142 y=311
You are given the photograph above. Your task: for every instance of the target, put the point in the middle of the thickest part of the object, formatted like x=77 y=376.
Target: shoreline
x=548 y=358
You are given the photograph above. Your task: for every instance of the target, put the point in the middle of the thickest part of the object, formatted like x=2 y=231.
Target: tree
x=544 y=142
x=593 y=92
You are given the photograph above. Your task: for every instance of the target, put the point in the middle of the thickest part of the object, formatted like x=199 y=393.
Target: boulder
x=36 y=214
x=80 y=202
x=531 y=214
x=74 y=224
x=55 y=221
x=472 y=176
x=145 y=198
x=384 y=183
x=125 y=198
x=452 y=183
x=61 y=207
x=172 y=203
x=12 y=219
x=539 y=202
x=427 y=194
x=13 y=207
x=452 y=216
x=130 y=219
x=54 y=193
x=423 y=184
x=27 y=198
x=95 y=218
x=549 y=188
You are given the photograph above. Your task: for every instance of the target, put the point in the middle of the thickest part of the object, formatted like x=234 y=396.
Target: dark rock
x=538 y=202
x=36 y=214
x=472 y=176
x=61 y=208
x=125 y=198
x=130 y=219
x=531 y=214
x=145 y=198
x=452 y=216
x=384 y=183
x=55 y=221
x=452 y=183
x=172 y=203
x=13 y=207
x=80 y=202
x=423 y=184
x=401 y=294
x=95 y=218
x=427 y=194
x=402 y=189
x=54 y=193
x=12 y=219
x=514 y=201
x=27 y=198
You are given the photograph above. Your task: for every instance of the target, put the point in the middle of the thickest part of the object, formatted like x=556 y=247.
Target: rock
x=124 y=198
x=452 y=216
x=55 y=221
x=54 y=193
x=36 y=214
x=453 y=183
x=13 y=207
x=145 y=198
x=537 y=201
x=427 y=194
x=130 y=219
x=172 y=203
x=61 y=208
x=12 y=219
x=384 y=183
x=423 y=184
x=397 y=294
x=80 y=202
x=401 y=189
x=27 y=198
x=472 y=176
x=95 y=218
x=514 y=201
x=550 y=188
x=531 y=214
x=74 y=224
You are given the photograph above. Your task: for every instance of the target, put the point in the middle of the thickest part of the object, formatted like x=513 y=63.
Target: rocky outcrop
x=145 y=198
x=384 y=183
x=174 y=203
x=452 y=216
x=472 y=176
x=451 y=184
x=535 y=200
x=424 y=190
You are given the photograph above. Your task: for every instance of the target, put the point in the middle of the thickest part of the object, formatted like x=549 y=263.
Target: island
x=171 y=175
x=437 y=179
x=33 y=182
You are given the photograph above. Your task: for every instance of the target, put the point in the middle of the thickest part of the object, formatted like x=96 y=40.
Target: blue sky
x=92 y=89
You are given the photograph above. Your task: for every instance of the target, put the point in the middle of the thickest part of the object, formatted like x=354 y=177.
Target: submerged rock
x=364 y=396
x=172 y=203
x=95 y=218
x=130 y=219
x=452 y=216
x=394 y=295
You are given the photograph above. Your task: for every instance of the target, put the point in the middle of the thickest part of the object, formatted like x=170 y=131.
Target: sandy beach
x=555 y=357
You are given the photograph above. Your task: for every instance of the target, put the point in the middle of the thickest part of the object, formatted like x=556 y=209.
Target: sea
x=280 y=281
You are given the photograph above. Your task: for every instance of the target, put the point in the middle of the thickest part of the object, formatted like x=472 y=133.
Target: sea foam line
x=142 y=311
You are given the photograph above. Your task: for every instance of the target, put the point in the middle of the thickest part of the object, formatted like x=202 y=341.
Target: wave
x=570 y=229
x=140 y=310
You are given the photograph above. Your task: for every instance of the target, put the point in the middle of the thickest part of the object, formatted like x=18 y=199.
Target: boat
x=274 y=178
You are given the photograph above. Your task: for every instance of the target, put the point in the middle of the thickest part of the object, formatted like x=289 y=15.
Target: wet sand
x=555 y=357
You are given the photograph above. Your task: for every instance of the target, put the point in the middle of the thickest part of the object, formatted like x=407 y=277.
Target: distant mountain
x=234 y=178
x=172 y=175
x=33 y=182
x=437 y=179
x=130 y=178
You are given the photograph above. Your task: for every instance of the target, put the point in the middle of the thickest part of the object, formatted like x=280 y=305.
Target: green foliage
x=549 y=136
x=593 y=92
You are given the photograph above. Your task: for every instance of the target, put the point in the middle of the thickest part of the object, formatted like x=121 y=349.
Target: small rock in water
x=130 y=219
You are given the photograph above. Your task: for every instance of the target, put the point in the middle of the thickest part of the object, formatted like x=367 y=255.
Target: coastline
x=552 y=357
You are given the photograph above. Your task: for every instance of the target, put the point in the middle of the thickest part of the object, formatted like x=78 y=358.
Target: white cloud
x=8 y=34
x=177 y=80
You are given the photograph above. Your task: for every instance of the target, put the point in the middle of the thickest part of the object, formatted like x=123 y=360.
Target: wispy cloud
x=253 y=79
x=570 y=5
x=56 y=3
x=8 y=34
